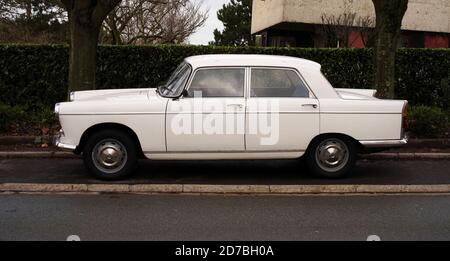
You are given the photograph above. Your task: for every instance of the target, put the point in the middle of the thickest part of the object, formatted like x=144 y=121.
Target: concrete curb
x=407 y=156
x=223 y=189
x=375 y=156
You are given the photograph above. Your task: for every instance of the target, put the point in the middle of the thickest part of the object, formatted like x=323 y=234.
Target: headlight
x=72 y=96
x=57 y=106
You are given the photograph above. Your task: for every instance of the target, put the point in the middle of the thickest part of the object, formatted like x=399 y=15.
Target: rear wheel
x=110 y=155
x=331 y=157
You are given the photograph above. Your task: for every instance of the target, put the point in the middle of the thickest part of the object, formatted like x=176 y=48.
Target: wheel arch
x=321 y=136
x=108 y=125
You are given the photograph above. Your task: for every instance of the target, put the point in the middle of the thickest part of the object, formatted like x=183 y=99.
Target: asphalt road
x=277 y=172
x=177 y=217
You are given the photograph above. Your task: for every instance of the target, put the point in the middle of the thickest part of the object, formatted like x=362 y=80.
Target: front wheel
x=331 y=157
x=110 y=155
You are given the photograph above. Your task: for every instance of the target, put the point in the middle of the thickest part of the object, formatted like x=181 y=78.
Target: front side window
x=278 y=83
x=175 y=85
x=220 y=82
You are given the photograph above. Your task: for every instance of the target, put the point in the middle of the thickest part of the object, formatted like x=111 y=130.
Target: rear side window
x=220 y=82
x=277 y=83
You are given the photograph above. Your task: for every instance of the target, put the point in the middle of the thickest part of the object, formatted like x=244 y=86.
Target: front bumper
x=58 y=143
x=385 y=143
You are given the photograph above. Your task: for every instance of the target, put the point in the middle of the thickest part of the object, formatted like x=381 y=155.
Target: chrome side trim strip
x=384 y=143
x=113 y=114
x=224 y=152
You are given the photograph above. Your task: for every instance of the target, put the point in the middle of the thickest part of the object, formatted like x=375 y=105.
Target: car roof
x=250 y=60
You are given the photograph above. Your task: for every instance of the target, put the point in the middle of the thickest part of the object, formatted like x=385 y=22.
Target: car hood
x=113 y=95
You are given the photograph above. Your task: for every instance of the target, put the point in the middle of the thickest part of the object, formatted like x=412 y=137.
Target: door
x=282 y=113
x=210 y=117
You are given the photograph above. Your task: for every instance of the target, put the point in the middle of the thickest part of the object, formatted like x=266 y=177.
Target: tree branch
x=103 y=8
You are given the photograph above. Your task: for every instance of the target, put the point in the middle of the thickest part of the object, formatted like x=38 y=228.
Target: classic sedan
x=217 y=107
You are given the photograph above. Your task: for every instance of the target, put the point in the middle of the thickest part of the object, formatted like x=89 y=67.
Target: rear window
x=277 y=83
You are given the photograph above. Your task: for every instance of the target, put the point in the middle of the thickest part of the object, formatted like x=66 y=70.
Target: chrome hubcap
x=332 y=155
x=109 y=156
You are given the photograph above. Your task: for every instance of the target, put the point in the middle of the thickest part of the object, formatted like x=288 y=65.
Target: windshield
x=175 y=85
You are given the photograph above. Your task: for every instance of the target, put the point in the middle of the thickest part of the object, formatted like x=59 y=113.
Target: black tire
x=110 y=147
x=319 y=160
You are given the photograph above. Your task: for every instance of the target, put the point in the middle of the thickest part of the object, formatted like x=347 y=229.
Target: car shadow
x=243 y=172
x=234 y=172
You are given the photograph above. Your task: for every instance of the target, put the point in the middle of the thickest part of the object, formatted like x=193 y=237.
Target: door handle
x=311 y=105
x=240 y=106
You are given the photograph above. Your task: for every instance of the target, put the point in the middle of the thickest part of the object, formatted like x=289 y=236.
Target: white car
x=217 y=107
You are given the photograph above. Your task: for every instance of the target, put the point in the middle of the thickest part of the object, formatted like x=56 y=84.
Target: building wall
x=422 y=15
x=433 y=40
x=409 y=39
x=266 y=14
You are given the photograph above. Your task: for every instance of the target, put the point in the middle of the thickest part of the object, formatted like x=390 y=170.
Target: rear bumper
x=384 y=143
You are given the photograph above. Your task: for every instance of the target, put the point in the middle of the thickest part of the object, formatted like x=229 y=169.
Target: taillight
x=405 y=116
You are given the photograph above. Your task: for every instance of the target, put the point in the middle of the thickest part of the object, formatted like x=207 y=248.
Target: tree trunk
x=389 y=17
x=385 y=53
x=85 y=20
x=83 y=57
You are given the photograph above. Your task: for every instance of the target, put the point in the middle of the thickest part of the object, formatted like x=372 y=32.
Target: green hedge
x=35 y=77
x=428 y=122
x=424 y=77
x=9 y=115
